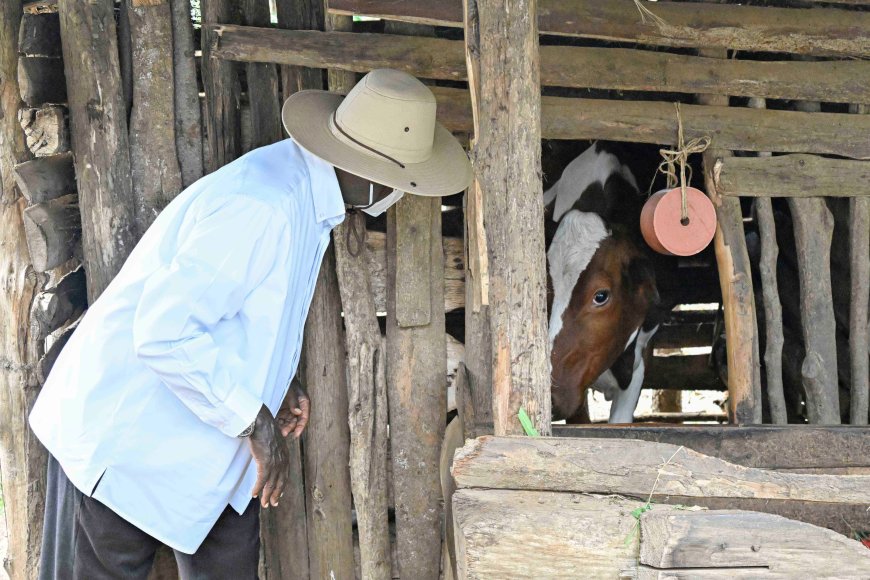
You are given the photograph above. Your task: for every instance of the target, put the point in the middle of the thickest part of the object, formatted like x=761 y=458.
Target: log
x=791 y=176
x=824 y=449
x=22 y=457
x=735 y=275
x=813 y=231
x=746 y=545
x=506 y=160
x=327 y=440
x=98 y=126
x=156 y=172
x=47 y=130
x=770 y=296
x=478 y=332
x=367 y=403
x=263 y=91
x=859 y=329
x=510 y=534
x=39 y=35
x=222 y=91
x=62 y=303
x=661 y=473
x=750 y=28
x=685 y=372
x=304 y=15
x=683 y=335
x=416 y=382
x=41 y=180
x=188 y=114
x=41 y=80
x=561 y=66
x=53 y=231
x=40 y=6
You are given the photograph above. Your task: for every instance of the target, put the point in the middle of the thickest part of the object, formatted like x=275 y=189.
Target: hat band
x=363 y=145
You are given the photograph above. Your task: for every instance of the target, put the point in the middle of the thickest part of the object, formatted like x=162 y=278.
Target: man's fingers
x=269 y=495
x=262 y=479
x=287 y=427
x=300 y=425
x=279 y=489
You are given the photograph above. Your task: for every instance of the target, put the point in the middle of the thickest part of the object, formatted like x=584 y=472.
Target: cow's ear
x=639 y=273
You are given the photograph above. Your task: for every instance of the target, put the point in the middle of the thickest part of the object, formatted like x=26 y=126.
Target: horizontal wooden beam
x=683 y=335
x=682 y=372
x=562 y=66
x=763 y=446
x=46 y=129
x=53 y=230
x=792 y=176
x=41 y=80
x=750 y=28
x=46 y=178
x=39 y=35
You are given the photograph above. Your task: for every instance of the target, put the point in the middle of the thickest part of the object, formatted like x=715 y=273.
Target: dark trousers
x=97 y=544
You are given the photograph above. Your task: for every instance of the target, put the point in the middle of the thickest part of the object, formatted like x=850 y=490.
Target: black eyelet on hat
x=407 y=129
x=413 y=184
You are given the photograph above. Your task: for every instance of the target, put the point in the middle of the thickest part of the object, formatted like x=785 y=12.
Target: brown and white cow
x=602 y=286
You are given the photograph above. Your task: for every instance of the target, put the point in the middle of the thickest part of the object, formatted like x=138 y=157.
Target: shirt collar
x=325 y=192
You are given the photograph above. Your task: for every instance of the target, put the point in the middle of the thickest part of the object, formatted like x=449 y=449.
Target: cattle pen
x=440 y=323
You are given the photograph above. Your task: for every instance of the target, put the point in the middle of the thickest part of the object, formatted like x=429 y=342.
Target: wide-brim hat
x=384 y=130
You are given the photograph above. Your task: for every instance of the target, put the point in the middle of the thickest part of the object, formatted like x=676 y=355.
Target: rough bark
x=791 y=176
x=22 y=458
x=46 y=129
x=263 y=91
x=188 y=112
x=507 y=162
x=41 y=180
x=700 y=25
x=53 y=231
x=416 y=381
x=368 y=411
x=300 y=15
x=859 y=329
x=41 y=80
x=155 y=169
x=222 y=92
x=98 y=127
x=744 y=375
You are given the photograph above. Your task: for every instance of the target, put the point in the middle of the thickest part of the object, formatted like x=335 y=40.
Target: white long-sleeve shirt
x=200 y=328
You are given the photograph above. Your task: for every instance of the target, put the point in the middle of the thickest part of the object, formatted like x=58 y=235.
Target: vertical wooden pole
x=300 y=15
x=98 y=126
x=478 y=341
x=368 y=411
x=22 y=458
x=221 y=83
x=507 y=160
x=416 y=379
x=155 y=170
x=772 y=306
x=263 y=92
x=188 y=112
x=744 y=372
x=859 y=244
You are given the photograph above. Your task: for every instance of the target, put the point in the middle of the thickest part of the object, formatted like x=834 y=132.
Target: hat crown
x=389 y=114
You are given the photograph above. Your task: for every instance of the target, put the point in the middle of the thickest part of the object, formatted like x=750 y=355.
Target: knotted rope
x=680 y=156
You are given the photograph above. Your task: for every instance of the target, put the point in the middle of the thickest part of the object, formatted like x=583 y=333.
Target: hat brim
x=306 y=119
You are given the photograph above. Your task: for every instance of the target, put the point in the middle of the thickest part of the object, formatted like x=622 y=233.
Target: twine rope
x=680 y=156
x=647 y=14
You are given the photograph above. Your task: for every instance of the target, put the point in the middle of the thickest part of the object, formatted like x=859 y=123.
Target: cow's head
x=602 y=288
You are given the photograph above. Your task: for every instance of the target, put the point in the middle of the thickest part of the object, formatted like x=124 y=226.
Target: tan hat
x=384 y=130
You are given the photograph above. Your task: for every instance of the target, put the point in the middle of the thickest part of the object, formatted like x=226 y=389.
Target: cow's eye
x=601 y=297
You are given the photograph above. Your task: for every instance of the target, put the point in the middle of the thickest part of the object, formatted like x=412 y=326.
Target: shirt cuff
x=244 y=408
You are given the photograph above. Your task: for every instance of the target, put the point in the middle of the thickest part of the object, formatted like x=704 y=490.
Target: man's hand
x=293 y=415
x=273 y=460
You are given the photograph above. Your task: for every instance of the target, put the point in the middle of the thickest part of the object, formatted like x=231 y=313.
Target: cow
x=602 y=289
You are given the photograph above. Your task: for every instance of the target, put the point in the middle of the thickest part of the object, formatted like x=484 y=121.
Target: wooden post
x=300 y=15
x=772 y=306
x=368 y=411
x=22 y=458
x=156 y=172
x=98 y=126
x=416 y=379
x=859 y=242
x=188 y=112
x=744 y=373
x=507 y=160
x=221 y=83
x=478 y=334
x=263 y=91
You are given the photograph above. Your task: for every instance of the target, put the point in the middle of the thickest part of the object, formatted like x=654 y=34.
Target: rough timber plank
x=791 y=176
x=188 y=111
x=47 y=130
x=41 y=80
x=39 y=35
x=46 y=178
x=53 y=229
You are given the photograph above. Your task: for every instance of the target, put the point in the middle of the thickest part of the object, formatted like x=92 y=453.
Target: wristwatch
x=247 y=432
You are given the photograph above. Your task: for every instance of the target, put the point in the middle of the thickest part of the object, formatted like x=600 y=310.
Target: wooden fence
x=111 y=126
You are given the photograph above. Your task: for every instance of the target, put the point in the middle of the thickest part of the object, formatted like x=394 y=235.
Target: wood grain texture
x=98 y=128
x=752 y=28
x=263 y=84
x=368 y=410
x=156 y=171
x=735 y=275
x=859 y=328
x=327 y=440
x=506 y=159
x=791 y=176
x=39 y=35
x=22 y=458
x=300 y=15
x=748 y=543
x=561 y=66
x=413 y=247
x=41 y=80
x=61 y=303
x=416 y=383
x=47 y=178
x=53 y=231
x=220 y=81
x=188 y=111
x=47 y=130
